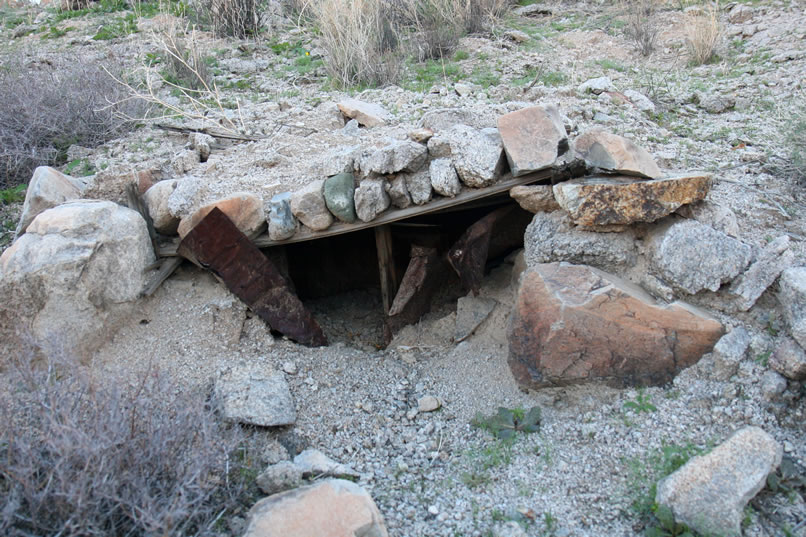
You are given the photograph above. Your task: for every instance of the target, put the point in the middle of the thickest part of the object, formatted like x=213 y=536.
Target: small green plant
x=460 y=55
x=79 y=167
x=507 y=422
x=789 y=478
x=644 y=473
x=15 y=194
x=120 y=27
x=54 y=33
x=667 y=527
x=642 y=403
x=474 y=480
x=763 y=358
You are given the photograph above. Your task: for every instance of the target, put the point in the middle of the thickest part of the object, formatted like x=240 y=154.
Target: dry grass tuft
x=237 y=18
x=360 y=41
x=703 y=34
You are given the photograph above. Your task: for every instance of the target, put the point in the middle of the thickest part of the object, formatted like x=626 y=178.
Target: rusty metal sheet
x=468 y=256
x=219 y=246
x=426 y=272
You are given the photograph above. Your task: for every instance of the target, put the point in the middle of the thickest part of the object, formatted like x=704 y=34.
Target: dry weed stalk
x=703 y=33
x=204 y=101
x=642 y=27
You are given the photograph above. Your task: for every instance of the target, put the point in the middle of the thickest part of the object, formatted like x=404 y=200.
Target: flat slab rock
x=603 y=200
x=332 y=508
x=709 y=493
x=367 y=114
x=574 y=324
x=255 y=395
x=613 y=153
x=533 y=138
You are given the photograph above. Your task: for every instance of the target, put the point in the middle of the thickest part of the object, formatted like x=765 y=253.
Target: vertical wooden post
x=386 y=265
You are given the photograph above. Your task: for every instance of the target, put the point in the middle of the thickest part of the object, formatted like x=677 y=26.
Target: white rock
x=48 y=188
x=253 y=395
x=156 y=199
x=428 y=403
x=444 y=179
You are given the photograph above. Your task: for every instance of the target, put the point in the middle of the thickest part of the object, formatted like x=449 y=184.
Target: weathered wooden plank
x=386 y=265
x=388 y=217
x=218 y=245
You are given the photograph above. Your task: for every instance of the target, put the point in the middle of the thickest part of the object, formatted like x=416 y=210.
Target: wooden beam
x=388 y=217
x=386 y=265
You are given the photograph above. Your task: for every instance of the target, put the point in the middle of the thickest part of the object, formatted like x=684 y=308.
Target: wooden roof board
x=395 y=215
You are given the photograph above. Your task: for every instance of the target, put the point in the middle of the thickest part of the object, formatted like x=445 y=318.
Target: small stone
x=332 y=507
x=371 y=199
x=314 y=463
x=773 y=259
x=290 y=368
x=509 y=528
x=243 y=208
x=367 y=114
x=729 y=351
x=433 y=509
x=308 y=205
x=709 y=493
x=533 y=138
x=693 y=257
x=421 y=135
x=185 y=161
x=715 y=104
x=419 y=186
x=203 y=144
x=339 y=192
x=428 y=403
x=411 y=414
x=740 y=14
x=535 y=198
x=711 y=214
x=792 y=296
x=156 y=199
x=612 y=153
x=252 y=395
x=285 y=475
x=351 y=128
x=282 y=224
x=477 y=154
x=772 y=385
x=398 y=192
x=399 y=156
x=640 y=101
x=444 y=179
x=517 y=36
x=462 y=90
x=597 y=85
x=341 y=160
x=48 y=188
x=789 y=359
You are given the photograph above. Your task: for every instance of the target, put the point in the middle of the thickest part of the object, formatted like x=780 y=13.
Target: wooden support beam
x=386 y=265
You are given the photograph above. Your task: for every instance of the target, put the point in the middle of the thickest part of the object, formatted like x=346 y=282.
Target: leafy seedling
x=667 y=527
x=507 y=422
x=642 y=403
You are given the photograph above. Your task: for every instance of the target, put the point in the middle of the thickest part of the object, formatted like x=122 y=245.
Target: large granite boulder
x=574 y=324
x=331 y=507
x=48 y=188
x=71 y=279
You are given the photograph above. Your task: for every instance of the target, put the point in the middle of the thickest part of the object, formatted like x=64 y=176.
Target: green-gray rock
x=339 y=196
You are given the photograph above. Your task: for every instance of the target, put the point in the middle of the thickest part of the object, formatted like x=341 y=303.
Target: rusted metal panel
x=219 y=246
x=427 y=270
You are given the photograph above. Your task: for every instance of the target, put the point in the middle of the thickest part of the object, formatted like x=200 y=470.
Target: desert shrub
x=359 y=39
x=48 y=105
x=184 y=59
x=642 y=28
x=82 y=458
x=237 y=18
x=703 y=34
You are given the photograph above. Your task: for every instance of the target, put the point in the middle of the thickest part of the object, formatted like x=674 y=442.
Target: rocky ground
x=589 y=469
